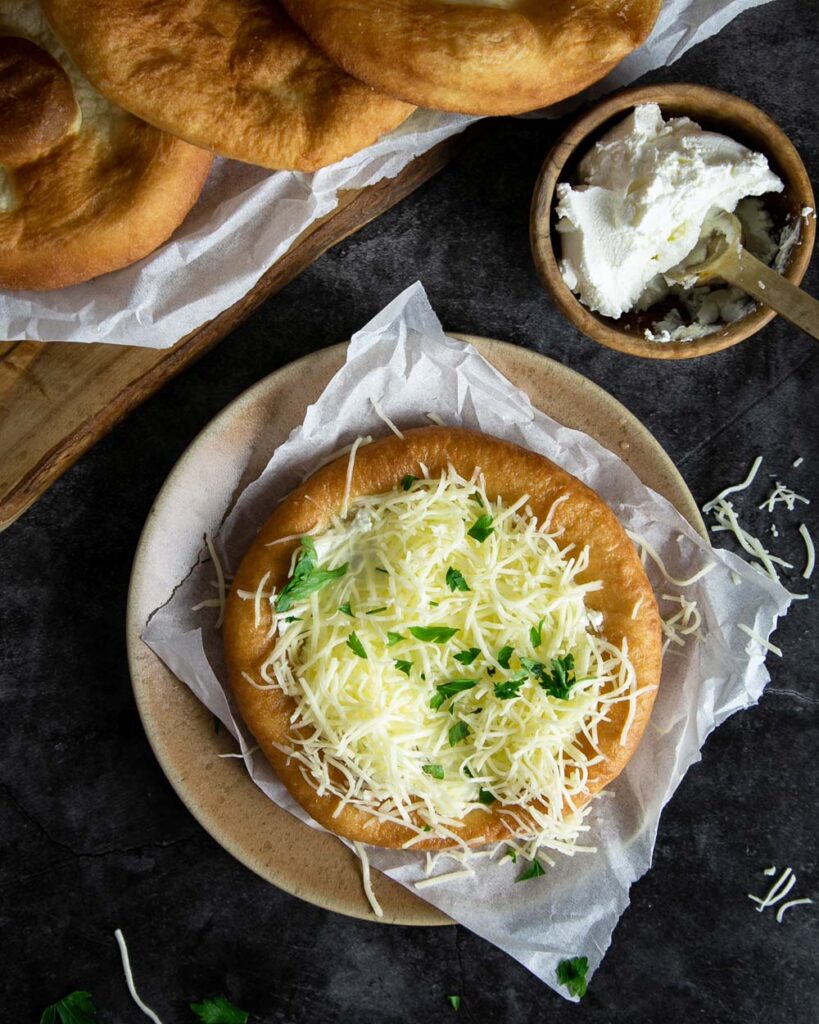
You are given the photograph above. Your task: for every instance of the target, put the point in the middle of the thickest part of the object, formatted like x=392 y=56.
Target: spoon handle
x=739 y=267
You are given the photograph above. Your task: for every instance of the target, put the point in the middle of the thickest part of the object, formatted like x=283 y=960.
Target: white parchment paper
x=247 y=218
x=403 y=360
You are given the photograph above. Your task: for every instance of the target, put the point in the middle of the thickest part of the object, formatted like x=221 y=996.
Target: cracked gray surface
x=94 y=837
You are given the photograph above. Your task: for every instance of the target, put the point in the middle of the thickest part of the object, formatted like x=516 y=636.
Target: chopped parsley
x=481 y=528
x=408 y=481
x=447 y=690
x=76 y=1008
x=393 y=638
x=219 y=1011
x=504 y=654
x=535 y=871
x=511 y=688
x=435 y=770
x=375 y=611
x=356 y=645
x=404 y=666
x=385 y=571
x=467 y=772
x=346 y=609
x=467 y=657
x=433 y=634
x=536 y=634
x=476 y=496
x=458 y=733
x=455 y=580
x=307 y=578
x=511 y=853
x=557 y=682
x=485 y=796
x=572 y=974
x=454 y=1001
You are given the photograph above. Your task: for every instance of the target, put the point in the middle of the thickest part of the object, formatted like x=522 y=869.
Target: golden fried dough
x=234 y=76
x=477 y=56
x=84 y=187
x=625 y=601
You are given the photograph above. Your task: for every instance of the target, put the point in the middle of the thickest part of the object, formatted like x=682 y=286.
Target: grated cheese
x=783 y=495
x=647 y=549
x=365 y=729
x=452 y=876
x=435 y=418
x=727 y=520
x=361 y=850
x=797 y=462
x=682 y=624
x=220 y=580
x=778 y=891
x=759 y=639
x=811 y=552
x=345 y=504
x=787 y=906
x=129 y=978
x=379 y=412
x=735 y=488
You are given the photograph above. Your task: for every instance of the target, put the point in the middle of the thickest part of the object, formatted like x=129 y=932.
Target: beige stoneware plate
x=228 y=454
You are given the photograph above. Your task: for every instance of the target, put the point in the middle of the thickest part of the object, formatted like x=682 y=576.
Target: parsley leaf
x=408 y=481
x=76 y=1008
x=435 y=770
x=511 y=688
x=219 y=1011
x=433 y=634
x=512 y=854
x=467 y=657
x=536 y=634
x=572 y=974
x=476 y=496
x=307 y=578
x=485 y=796
x=375 y=611
x=454 y=1001
x=447 y=690
x=404 y=666
x=386 y=572
x=481 y=528
x=535 y=871
x=346 y=609
x=455 y=580
x=467 y=772
x=458 y=732
x=504 y=654
x=393 y=638
x=559 y=682
x=356 y=645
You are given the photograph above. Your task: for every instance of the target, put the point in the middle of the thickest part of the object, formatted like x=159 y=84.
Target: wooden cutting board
x=58 y=399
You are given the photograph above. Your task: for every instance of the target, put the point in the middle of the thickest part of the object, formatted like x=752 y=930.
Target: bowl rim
x=780 y=151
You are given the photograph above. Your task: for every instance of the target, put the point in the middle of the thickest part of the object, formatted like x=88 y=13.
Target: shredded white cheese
x=783 y=495
x=735 y=488
x=797 y=462
x=778 y=891
x=379 y=412
x=435 y=418
x=757 y=638
x=810 y=563
x=361 y=850
x=682 y=624
x=647 y=549
x=365 y=727
x=345 y=504
x=129 y=978
x=220 y=580
x=452 y=876
x=787 y=906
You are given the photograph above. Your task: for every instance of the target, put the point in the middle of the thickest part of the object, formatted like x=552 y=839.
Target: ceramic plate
x=219 y=793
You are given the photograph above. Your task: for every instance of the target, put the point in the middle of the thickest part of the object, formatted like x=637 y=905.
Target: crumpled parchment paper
x=404 y=361
x=248 y=217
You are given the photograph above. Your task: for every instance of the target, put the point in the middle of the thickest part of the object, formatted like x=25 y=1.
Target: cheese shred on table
x=372 y=727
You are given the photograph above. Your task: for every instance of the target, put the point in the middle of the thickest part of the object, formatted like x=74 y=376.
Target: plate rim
x=134 y=627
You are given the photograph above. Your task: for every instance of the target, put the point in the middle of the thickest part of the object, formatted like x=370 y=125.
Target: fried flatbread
x=233 y=76
x=626 y=601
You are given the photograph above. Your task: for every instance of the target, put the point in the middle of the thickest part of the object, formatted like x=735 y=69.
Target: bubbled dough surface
x=234 y=76
x=498 y=57
x=108 y=193
x=509 y=471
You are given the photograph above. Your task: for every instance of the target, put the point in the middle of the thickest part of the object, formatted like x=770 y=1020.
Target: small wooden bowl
x=715 y=111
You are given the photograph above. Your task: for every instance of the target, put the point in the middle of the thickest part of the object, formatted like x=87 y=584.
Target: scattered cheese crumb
x=379 y=412
x=735 y=488
x=435 y=418
x=759 y=639
x=452 y=876
x=787 y=906
x=778 y=891
x=784 y=495
x=348 y=483
x=129 y=978
x=647 y=549
x=220 y=579
x=811 y=552
x=797 y=462
x=365 y=878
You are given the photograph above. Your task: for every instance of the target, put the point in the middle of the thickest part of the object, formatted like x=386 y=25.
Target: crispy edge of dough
x=509 y=471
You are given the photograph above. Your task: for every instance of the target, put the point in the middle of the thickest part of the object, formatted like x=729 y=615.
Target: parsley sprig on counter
x=219 y=1011
x=307 y=577
x=75 y=1008
x=572 y=974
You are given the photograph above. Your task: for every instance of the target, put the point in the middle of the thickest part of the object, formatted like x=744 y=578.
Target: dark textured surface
x=93 y=835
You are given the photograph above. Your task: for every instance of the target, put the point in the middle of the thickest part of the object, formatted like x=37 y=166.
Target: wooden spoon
x=726 y=258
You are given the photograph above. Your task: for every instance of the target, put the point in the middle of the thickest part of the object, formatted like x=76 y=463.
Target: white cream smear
x=647 y=189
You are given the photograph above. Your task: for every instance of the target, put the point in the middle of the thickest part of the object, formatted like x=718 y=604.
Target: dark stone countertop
x=95 y=838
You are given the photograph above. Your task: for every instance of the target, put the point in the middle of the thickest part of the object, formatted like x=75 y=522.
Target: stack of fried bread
x=113 y=108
